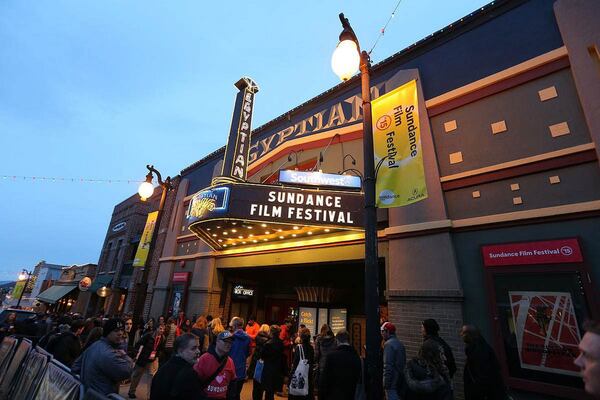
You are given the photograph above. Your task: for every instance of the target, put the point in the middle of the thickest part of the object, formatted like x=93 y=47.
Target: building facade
x=506 y=240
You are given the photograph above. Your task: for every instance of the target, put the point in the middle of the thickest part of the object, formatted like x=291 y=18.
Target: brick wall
x=408 y=313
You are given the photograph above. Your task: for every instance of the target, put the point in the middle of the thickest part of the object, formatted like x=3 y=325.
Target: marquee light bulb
x=296 y=228
x=263 y=225
x=233 y=230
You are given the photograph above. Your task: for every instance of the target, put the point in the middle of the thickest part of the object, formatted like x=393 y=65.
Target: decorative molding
x=498 y=127
x=450 y=126
x=512 y=72
x=426 y=295
x=559 y=129
x=522 y=161
x=528 y=214
x=456 y=158
x=547 y=93
x=424 y=226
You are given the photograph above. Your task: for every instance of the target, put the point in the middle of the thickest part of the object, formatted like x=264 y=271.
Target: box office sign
x=243 y=292
x=526 y=253
x=278 y=204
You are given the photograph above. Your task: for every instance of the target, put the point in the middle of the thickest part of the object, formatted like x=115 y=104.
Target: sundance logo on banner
x=397 y=147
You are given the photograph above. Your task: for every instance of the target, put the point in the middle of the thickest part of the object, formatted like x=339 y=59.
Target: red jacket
x=206 y=365
x=252 y=331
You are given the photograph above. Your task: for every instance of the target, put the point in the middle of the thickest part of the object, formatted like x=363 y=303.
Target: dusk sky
x=99 y=89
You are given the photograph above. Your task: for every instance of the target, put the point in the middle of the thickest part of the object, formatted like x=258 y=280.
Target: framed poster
x=337 y=319
x=308 y=317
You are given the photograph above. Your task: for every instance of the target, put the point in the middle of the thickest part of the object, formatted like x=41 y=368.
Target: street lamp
x=24 y=275
x=145 y=191
x=347 y=59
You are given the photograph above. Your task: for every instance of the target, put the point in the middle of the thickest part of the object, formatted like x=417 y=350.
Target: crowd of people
x=209 y=360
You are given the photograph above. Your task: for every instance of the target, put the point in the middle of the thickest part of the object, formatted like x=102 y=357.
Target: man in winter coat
x=482 y=377
x=215 y=365
x=149 y=348
x=430 y=331
x=394 y=361
x=240 y=349
x=186 y=353
x=341 y=374
x=252 y=330
x=102 y=366
x=66 y=346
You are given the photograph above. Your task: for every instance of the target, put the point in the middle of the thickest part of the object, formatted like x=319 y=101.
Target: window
x=103 y=266
x=116 y=257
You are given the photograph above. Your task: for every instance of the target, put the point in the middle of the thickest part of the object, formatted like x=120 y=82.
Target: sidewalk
x=143 y=390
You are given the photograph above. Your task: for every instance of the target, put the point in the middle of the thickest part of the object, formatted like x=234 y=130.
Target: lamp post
x=347 y=59
x=145 y=191
x=24 y=275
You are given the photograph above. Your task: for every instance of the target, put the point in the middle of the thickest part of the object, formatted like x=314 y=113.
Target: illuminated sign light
x=315 y=178
x=211 y=200
x=118 y=227
x=242 y=292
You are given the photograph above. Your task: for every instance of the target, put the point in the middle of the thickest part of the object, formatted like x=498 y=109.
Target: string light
x=382 y=32
x=55 y=179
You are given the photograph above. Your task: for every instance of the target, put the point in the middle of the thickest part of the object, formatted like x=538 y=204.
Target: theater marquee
x=246 y=214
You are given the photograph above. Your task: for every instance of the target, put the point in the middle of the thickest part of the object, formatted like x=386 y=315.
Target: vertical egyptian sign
x=141 y=255
x=397 y=146
x=235 y=163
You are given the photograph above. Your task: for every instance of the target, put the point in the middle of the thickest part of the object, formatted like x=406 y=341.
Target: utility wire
x=64 y=179
x=382 y=32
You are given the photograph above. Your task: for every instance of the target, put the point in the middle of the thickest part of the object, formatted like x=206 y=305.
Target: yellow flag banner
x=19 y=287
x=397 y=146
x=141 y=255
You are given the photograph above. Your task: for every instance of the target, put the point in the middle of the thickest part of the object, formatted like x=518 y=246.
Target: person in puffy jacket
x=240 y=349
x=427 y=376
x=324 y=344
x=394 y=361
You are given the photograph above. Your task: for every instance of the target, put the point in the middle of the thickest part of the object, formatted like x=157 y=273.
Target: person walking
x=589 y=358
x=149 y=348
x=65 y=346
x=274 y=368
x=341 y=372
x=164 y=383
x=103 y=365
x=482 y=377
x=303 y=353
x=262 y=337
x=215 y=369
x=200 y=329
x=170 y=335
x=240 y=349
x=430 y=331
x=324 y=344
x=394 y=361
x=426 y=376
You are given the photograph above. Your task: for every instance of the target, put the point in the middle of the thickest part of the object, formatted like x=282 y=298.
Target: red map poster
x=546 y=330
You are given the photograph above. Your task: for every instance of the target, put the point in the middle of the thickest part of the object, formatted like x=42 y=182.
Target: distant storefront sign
x=542 y=252
x=180 y=277
x=320 y=179
x=85 y=283
x=209 y=201
x=141 y=255
x=119 y=227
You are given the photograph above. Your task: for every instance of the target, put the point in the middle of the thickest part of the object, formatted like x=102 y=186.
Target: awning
x=55 y=293
x=102 y=280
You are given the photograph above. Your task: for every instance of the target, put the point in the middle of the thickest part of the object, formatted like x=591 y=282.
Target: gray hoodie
x=102 y=366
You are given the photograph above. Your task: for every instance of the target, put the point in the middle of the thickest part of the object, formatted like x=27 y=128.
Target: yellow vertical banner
x=19 y=287
x=141 y=255
x=397 y=146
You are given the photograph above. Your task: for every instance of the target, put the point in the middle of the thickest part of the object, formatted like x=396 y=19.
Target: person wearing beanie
x=103 y=365
x=394 y=361
x=65 y=346
x=430 y=331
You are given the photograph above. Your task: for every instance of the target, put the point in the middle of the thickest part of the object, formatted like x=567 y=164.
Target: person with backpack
x=394 y=361
x=66 y=345
x=430 y=331
x=427 y=377
x=303 y=362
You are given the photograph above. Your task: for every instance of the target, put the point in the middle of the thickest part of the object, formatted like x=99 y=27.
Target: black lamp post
x=145 y=191
x=347 y=58
x=23 y=275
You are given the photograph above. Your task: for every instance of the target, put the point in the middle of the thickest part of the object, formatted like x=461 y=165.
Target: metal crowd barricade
x=91 y=394
x=57 y=383
x=7 y=349
x=25 y=384
x=14 y=366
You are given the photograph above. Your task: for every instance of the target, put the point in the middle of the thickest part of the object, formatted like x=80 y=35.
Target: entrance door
x=277 y=310
x=240 y=309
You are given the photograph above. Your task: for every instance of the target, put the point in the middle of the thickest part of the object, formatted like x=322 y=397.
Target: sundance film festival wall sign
x=278 y=204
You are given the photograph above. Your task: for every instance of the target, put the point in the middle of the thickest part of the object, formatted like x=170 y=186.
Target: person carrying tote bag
x=301 y=380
